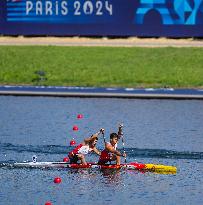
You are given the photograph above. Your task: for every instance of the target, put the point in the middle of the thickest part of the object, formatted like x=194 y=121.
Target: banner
x=174 y=18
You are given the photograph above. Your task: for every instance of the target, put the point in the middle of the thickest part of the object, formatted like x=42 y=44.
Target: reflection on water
x=112 y=176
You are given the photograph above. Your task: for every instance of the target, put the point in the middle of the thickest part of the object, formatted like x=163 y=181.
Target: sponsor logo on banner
x=64 y=11
x=172 y=12
x=140 y=12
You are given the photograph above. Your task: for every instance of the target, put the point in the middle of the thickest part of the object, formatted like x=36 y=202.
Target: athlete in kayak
x=110 y=153
x=87 y=146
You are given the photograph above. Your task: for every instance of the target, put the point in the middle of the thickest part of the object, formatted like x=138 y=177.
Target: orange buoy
x=57 y=180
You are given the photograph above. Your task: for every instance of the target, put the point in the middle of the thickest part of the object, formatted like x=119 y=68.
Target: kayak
x=77 y=166
x=158 y=168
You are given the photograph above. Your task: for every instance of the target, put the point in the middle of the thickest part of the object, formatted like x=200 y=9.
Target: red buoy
x=48 y=203
x=72 y=142
x=65 y=159
x=57 y=180
x=75 y=128
x=80 y=116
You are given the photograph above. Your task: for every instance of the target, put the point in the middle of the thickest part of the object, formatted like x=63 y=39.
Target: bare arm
x=112 y=150
x=96 y=151
x=94 y=136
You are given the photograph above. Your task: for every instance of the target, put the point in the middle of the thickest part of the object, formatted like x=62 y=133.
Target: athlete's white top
x=85 y=149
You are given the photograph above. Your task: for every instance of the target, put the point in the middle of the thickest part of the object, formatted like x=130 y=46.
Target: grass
x=101 y=66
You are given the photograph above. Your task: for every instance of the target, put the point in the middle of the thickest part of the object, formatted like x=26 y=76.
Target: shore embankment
x=102 y=66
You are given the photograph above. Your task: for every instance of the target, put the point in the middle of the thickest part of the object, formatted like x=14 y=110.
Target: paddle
x=122 y=138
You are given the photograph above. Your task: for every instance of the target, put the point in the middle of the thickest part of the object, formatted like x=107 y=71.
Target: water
x=156 y=131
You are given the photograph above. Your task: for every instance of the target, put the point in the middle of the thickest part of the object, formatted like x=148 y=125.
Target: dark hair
x=113 y=135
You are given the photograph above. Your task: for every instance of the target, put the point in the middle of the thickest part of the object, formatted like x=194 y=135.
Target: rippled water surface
x=156 y=131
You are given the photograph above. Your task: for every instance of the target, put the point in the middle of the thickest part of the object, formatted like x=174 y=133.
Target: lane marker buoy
x=79 y=116
x=75 y=128
x=57 y=180
x=72 y=142
x=48 y=203
x=65 y=159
